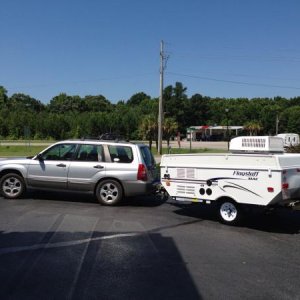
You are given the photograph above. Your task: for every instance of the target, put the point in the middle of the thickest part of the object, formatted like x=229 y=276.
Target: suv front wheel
x=12 y=186
x=109 y=192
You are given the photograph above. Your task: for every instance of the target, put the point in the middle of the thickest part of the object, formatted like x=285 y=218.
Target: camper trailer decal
x=226 y=184
x=239 y=187
x=246 y=173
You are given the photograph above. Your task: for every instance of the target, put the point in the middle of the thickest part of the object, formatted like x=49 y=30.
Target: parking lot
x=66 y=246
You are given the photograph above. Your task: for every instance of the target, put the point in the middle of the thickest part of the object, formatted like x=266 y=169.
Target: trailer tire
x=230 y=212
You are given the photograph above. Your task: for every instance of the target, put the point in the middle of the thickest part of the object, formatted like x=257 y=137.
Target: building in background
x=212 y=133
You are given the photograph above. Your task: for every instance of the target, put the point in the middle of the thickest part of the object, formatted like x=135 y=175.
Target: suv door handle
x=61 y=165
x=98 y=167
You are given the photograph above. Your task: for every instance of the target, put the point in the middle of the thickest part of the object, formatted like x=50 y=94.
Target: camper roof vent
x=257 y=144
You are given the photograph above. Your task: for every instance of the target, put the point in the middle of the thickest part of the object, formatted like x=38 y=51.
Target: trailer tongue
x=256 y=172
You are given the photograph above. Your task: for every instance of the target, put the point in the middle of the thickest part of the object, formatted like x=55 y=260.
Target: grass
x=24 y=150
x=187 y=150
x=16 y=151
x=26 y=141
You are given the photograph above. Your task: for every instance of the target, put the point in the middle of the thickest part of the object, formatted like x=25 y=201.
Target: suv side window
x=60 y=152
x=120 y=154
x=90 y=153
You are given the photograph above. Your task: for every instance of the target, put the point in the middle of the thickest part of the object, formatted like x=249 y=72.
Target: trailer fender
x=226 y=197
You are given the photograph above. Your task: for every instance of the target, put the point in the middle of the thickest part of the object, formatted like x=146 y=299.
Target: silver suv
x=110 y=170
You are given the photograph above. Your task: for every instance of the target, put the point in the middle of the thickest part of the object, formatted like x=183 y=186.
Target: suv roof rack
x=107 y=137
x=112 y=137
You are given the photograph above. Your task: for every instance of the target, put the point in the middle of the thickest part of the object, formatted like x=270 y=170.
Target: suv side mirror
x=40 y=157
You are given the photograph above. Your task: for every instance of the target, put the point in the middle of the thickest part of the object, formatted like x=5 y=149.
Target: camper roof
x=257 y=144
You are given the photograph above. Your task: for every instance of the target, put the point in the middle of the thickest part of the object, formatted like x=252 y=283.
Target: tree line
x=68 y=116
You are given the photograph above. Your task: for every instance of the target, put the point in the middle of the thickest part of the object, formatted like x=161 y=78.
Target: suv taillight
x=285 y=186
x=142 y=173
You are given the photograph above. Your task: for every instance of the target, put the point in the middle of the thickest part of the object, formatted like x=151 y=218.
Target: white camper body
x=267 y=177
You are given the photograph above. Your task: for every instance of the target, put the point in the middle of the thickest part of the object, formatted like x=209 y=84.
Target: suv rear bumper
x=135 y=188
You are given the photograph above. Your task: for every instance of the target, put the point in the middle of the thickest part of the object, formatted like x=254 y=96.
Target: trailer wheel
x=229 y=212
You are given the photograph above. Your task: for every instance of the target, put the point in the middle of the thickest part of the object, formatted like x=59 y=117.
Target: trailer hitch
x=294 y=204
x=161 y=192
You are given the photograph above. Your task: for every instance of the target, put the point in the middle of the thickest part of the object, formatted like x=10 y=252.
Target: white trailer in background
x=256 y=172
x=289 y=139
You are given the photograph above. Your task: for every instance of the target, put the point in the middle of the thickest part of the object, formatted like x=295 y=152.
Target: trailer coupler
x=161 y=191
x=294 y=204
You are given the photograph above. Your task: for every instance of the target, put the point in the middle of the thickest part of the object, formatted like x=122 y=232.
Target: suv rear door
x=121 y=162
x=87 y=167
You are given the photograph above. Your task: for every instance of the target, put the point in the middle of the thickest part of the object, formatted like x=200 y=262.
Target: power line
x=244 y=58
x=274 y=57
x=252 y=76
x=235 y=82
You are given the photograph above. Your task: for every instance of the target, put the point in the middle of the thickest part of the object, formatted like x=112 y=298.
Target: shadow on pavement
x=143 y=201
x=92 y=265
x=60 y=196
x=279 y=221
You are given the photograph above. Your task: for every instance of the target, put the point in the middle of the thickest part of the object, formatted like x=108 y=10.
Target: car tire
x=12 y=186
x=230 y=212
x=109 y=192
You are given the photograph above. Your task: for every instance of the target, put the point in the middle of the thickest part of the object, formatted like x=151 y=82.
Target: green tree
x=253 y=127
x=64 y=103
x=148 y=128
x=170 y=127
x=198 y=110
x=290 y=120
x=175 y=101
x=3 y=96
x=56 y=126
x=137 y=98
x=97 y=104
x=24 y=102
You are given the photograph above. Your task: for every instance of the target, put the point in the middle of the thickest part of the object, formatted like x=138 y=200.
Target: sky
x=216 y=48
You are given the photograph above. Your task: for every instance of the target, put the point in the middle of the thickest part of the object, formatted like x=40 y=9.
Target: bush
x=293 y=149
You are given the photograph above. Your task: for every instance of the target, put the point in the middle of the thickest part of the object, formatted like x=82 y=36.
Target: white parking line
x=10 y=250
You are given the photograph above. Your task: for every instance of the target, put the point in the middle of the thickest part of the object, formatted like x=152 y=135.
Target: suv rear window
x=147 y=156
x=120 y=154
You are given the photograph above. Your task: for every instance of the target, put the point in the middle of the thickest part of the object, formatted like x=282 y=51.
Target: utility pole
x=277 y=122
x=160 y=104
x=227 y=128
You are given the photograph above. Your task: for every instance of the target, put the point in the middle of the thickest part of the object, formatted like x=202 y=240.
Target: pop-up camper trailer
x=256 y=172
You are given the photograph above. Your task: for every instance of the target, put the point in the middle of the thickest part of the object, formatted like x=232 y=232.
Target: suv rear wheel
x=12 y=186
x=109 y=192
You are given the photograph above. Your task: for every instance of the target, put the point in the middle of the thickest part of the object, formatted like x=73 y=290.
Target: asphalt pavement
x=66 y=246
